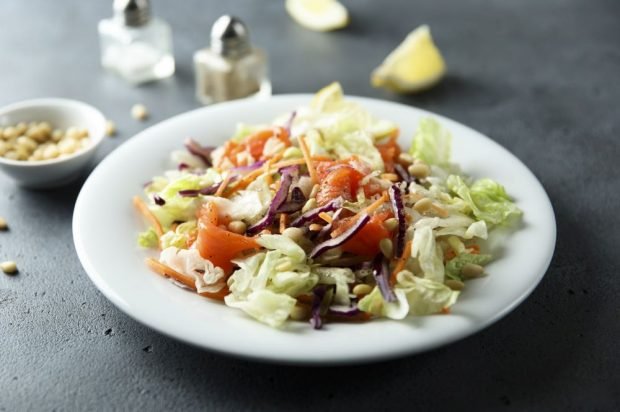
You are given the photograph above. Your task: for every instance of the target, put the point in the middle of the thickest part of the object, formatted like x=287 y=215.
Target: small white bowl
x=62 y=114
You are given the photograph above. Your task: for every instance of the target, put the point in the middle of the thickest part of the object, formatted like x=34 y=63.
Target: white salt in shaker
x=135 y=45
x=230 y=68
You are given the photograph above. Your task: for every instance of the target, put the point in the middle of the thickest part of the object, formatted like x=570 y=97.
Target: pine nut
x=392 y=177
x=9 y=267
x=362 y=289
x=387 y=248
x=315 y=227
x=472 y=271
x=139 y=112
x=454 y=284
x=423 y=205
x=310 y=204
x=110 y=128
x=314 y=191
x=3 y=224
x=237 y=226
x=391 y=224
x=300 y=312
x=405 y=159
x=419 y=170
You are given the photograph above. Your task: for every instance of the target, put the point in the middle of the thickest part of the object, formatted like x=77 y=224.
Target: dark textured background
x=540 y=77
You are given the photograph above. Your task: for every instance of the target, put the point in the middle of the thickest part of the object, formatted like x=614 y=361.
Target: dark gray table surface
x=539 y=77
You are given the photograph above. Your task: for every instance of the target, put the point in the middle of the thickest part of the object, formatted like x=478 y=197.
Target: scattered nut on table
x=139 y=112
x=3 y=224
x=36 y=141
x=110 y=128
x=9 y=267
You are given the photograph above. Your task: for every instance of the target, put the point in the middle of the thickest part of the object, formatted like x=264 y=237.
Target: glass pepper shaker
x=135 y=45
x=230 y=68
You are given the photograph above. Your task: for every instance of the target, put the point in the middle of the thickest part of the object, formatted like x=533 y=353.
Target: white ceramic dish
x=61 y=113
x=105 y=228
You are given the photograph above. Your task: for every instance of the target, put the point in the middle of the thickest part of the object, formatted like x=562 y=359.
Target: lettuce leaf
x=357 y=143
x=265 y=306
x=431 y=143
x=148 y=239
x=282 y=271
x=179 y=208
x=179 y=237
x=414 y=296
x=284 y=244
x=486 y=198
x=429 y=253
x=341 y=277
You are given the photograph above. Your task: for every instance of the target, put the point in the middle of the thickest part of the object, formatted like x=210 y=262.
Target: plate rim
x=100 y=283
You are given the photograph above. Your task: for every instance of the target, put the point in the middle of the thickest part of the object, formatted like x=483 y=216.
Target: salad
x=321 y=216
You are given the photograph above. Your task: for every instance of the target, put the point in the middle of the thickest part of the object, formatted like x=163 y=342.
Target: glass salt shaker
x=230 y=68
x=135 y=45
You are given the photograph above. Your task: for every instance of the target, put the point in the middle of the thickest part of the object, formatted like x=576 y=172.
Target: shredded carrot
x=325 y=217
x=400 y=263
x=283 y=221
x=144 y=210
x=308 y=159
x=166 y=271
x=474 y=249
x=445 y=311
x=269 y=179
x=247 y=179
x=279 y=155
x=449 y=255
x=376 y=204
x=223 y=185
x=216 y=295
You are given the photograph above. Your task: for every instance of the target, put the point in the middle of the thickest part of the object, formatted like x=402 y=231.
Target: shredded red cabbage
x=205 y=191
x=396 y=200
x=159 y=200
x=295 y=204
x=285 y=183
x=381 y=273
x=313 y=214
x=183 y=166
x=339 y=240
x=403 y=173
x=317 y=302
x=249 y=168
x=203 y=152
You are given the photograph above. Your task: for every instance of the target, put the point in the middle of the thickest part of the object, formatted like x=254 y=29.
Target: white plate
x=105 y=226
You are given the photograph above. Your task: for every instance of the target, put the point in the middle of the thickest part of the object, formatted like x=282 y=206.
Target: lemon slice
x=416 y=64
x=319 y=15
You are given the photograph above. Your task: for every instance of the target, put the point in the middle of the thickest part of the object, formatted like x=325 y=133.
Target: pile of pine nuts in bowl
x=45 y=143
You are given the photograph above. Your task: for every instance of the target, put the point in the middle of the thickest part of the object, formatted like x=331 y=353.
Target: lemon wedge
x=329 y=96
x=319 y=15
x=415 y=65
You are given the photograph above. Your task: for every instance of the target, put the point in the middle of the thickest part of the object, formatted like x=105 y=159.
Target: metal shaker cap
x=133 y=13
x=230 y=37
